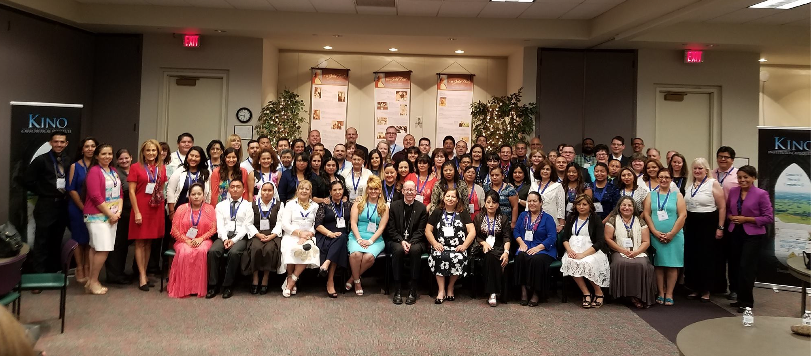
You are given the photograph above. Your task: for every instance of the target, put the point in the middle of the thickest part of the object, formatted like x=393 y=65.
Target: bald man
x=351 y=136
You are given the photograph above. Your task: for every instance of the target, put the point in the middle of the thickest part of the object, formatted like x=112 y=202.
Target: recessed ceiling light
x=762 y=60
x=327 y=47
x=779 y=4
x=459 y=51
x=337 y=36
x=512 y=0
x=393 y=49
x=451 y=39
x=220 y=31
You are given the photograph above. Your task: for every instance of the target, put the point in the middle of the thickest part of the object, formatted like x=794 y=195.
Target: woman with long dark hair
x=116 y=259
x=193 y=170
x=375 y=161
x=448 y=178
x=493 y=237
x=214 y=151
x=585 y=258
x=300 y=172
x=193 y=226
x=75 y=188
x=519 y=176
x=423 y=179
x=102 y=210
x=331 y=232
x=224 y=174
x=574 y=184
x=536 y=235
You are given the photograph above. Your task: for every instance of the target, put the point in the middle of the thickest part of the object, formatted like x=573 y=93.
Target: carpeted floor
x=127 y=321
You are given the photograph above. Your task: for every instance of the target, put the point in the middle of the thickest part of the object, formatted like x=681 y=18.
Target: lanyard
x=211 y=166
x=389 y=195
x=262 y=176
x=419 y=190
x=262 y=214
x=491 y=229
x=500 y=188
x=472 y=193
x=354 y=183
x=112 y=175
x=631 y=194
x=303 y=215
x=544 y=187
x=726 y=174
x=199 y=214
x=576 y=229
x=249 y=160
x=150 y=175
x=341 y=215
x=602 y=192
x=652 y=189
x=445 y=220
x=190 y=180
x=178 y=157
x=740 y=203
x=478 y=168
x=518 y=188
x=393 y=147
x=661 y=206
x=59 y=173
x=343 y=165
x=487 y=179
x=234 y=210
x=534 y=225
x=373 y=211
x=628 y=227
x=83 y=165
x=680 y=181
x=693 y=192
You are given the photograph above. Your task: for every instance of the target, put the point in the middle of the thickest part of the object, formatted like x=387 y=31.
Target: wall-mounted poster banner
x=31 y=127
x=392 y=103
x=784 y=161
x=453 y=100
x=328 y=99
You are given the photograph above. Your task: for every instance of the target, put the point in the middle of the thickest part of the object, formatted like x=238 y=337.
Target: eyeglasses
x=723 y=158
x=664 y=178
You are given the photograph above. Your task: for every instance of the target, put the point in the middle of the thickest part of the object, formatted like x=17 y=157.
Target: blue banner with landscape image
x=783 y=170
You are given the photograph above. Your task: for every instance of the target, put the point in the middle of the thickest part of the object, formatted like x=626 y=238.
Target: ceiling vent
x=375 y=3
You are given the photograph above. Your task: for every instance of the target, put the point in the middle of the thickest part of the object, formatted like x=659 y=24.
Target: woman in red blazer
x=749 y=210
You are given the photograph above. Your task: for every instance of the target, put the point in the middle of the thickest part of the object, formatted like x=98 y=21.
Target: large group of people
x=630 y=224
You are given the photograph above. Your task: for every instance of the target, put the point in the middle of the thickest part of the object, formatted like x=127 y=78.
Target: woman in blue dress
x=369 y=217
x=76 y=190
x=665 y=212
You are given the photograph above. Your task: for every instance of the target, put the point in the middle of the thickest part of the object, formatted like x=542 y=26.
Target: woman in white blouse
x=299 y=250
x=193 y=169
x=629 y=187
x=706 y=210
x=356 y=177
x=554 y=198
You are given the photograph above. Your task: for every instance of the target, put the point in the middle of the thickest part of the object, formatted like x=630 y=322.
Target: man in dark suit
x=617 y=146
x=351 y=136
x=405 y=236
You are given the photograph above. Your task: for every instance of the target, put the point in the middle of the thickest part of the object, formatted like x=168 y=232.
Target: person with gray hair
x=405 y=236
x=653 y=153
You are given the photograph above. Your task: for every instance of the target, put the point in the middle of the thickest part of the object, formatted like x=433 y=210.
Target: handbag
x=807 y=259
x=11 y=241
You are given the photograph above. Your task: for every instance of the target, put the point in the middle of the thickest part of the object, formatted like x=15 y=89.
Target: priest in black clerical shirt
x=405 y=236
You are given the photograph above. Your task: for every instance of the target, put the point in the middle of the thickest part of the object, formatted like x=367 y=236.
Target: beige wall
x=240 y=57
x=294 y=74
x=785 y=96
x=735 y=73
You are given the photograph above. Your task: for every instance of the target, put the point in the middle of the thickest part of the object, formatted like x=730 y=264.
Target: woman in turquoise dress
x=369 y=217
x=665 y=212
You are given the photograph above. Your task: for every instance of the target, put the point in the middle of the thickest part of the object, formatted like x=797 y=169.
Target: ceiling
x=479 y=27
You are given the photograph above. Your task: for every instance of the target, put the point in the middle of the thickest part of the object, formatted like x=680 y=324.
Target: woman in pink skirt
x=192 y=227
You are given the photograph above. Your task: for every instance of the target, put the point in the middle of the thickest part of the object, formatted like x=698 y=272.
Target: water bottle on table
x=748 y=317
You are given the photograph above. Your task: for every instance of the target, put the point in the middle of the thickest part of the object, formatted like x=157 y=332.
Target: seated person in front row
x=234 y=228
x=263 y=250
x=405 y=236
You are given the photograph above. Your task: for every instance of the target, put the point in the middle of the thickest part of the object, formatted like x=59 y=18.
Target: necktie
x=60 y=170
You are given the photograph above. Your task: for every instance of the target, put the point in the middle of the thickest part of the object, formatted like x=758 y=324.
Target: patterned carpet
x=127 y=321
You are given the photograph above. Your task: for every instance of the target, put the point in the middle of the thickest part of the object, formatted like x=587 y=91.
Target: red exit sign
x=192 y=41
x=693 y=56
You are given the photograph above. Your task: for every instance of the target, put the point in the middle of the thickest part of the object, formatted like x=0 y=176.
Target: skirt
x=699 y=250
x=262 y=256
x=189 y=270
x=294 y=254
x=334 y=250
x=448 y=262
x=593 y=267
x=633 y=277
x=102 y=235
x=533 y=271
x=78 y=229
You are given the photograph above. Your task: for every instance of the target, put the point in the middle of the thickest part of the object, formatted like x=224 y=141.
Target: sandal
x=99 y=290
x=637 y=303
x=595 y=304
x=358 y=291
x=660 y=300
x=348 y=286
x=586 y=302
x=669 y=301
x=692 y=296
x=492 y=301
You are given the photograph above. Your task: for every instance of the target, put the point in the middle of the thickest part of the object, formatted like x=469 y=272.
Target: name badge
x=264 y=224
x=528 y=235
x=471 y=208
x=598 y=207
x=150 y=187
x=114 y=208
x=447 y=231
x=372 y=227
x=304 y=226
x=232 y=226
x=662 y=214
x=388 y=204
x=60 y=183
x=586 y=165
x=627 y=243
x=569 y=207
x=491 y=240
x=340 y=223
x=192 y=233
x=420 y=199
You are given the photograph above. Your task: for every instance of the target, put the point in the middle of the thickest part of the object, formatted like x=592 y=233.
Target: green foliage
x=503 y=120
x=282 y=117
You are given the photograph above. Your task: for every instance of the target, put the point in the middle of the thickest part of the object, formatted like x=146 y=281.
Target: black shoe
x=254 y=289
x=450 y=298
x=732 y=296
x=736 y=304
x=741 y=309
x=144 y=287
x=263 y=290
x=524 y=302
x=398 y=298
x=532 y=304
x=211 y=293
x=322 y=272
x=332 y=295
x=437 y=301
x=412 y=297
x=150 y=284
x=226 y=293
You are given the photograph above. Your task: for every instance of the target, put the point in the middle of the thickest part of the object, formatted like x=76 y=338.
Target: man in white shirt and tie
x=339 y=152
x=184 y=142
x=253 y=154
x=234 y=229
x=391 y=139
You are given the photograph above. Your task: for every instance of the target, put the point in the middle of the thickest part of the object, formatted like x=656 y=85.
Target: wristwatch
x=720 y=227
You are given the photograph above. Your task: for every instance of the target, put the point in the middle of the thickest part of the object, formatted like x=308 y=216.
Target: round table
x=727 y=336
x=796 y=267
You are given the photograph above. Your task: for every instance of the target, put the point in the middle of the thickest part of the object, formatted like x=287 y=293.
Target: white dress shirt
x=244 y=220
x=247 y=164
x=177 y=161
x=554 y=199
x=356 y=187
x=295 y=217
x=178 y=180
